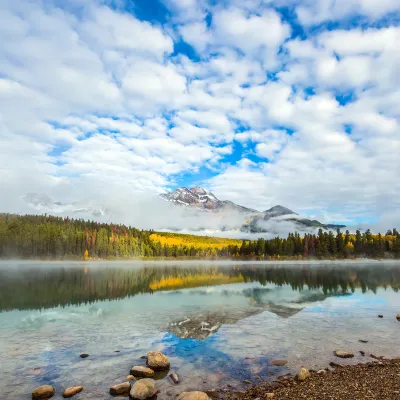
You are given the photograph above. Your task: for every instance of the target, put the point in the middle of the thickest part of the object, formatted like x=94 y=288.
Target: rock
x=130 y=378
x=278 y=363
x=302 y=374
x=362 y=353
x=142 y=372
x=192 y=396
x=343 y=354
x=376 y=357
x=398 y=317
x=212 y=393
x=334 y=365
x=363 y=341
x=174 y=377
x=322 y=372
x=270 y=395
x=157 y=361
x=122 y=388
x=247 y=382
x=380 y=316
x=72 y=391
x=43 y=392
x=143 y=389
x=84 y=355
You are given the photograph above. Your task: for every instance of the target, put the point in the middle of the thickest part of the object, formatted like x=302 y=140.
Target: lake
x=219 y=323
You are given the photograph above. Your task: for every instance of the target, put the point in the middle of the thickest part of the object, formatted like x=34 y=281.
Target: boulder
x=142 y=372
x=130 y=378
x=143 y=389
x=72 y=391
x=121 y=388
x=43 y=392
x=157 y=361
x=192 y=396
x=343 y=354
x=302 y=374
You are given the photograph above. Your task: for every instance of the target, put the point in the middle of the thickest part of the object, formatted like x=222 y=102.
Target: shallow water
x=219 y=324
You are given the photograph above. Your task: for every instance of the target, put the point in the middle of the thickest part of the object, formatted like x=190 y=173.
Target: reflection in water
x=23 y=287
x=217 y=323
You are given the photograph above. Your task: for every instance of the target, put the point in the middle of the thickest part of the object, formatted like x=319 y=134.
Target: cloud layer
x=263 y=102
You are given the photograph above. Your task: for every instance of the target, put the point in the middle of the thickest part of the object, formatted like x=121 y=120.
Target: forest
x=50 y=237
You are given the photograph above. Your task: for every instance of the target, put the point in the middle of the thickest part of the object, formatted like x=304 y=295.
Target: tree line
x=49 y=237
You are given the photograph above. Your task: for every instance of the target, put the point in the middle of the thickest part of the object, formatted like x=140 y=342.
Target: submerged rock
x=363 y=341
x=157 y=361
x=279 y=363
x=43 y=392
x=193 y=396
x=121 y=388
x=343 y=354
x=142 y=372
x=380 y=316
x=174 y=377
x=143 y=389
x=302 y=374
x=72 y=391
x=362 y=353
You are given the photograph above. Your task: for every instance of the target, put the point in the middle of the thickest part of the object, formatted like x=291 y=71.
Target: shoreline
x=378 y=379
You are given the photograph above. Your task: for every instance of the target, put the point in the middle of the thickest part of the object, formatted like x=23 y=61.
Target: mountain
x=257 y=223
x=201 y=199
x=198 y=198
x=44 y=203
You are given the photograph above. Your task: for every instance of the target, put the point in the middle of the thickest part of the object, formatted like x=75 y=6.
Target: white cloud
x=94 y=101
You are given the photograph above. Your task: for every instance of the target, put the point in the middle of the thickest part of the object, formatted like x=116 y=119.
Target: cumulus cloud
x=95 y=103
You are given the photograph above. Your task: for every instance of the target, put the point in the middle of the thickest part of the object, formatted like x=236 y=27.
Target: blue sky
x=263 y=102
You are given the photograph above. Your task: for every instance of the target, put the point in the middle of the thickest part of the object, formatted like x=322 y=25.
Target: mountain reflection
x=29 y=287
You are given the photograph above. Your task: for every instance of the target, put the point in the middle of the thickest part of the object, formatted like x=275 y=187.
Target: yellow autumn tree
x=86 y=255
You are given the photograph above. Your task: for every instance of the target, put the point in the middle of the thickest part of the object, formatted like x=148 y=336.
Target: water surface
x=219 y=324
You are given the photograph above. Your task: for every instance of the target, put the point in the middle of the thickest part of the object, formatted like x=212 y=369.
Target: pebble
x=157 y=361
x=84 y=355
x=380 y=316
x=43 y=392
x=193 y=396
x=122 y=388
x=321 y=371
x=302 y=374
x=143 y=389
x=343 y=354
x=142 y=372
x=72 y=391
x=362 y=353
x=270 y=395
x=363 y=341
x=174 y=377
x=279 y=363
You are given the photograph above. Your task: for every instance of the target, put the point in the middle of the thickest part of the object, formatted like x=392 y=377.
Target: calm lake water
x=219 y=323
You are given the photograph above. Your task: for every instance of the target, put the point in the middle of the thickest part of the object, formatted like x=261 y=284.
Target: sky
x=262 y=102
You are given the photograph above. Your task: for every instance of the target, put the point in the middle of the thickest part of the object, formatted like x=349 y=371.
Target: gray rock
x=43 y=392
x=174 y=377
x=142 y=372
x=343 y=354
x=143 y=389
x=122 y=388
x=157 y=361
x=302 y=374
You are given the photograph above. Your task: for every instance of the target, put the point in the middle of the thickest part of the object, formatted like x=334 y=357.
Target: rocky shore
x=373 y=380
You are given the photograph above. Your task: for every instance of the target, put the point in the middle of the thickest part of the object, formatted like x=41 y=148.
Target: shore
x=373 y=380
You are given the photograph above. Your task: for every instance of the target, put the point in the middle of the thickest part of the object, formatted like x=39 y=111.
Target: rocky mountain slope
x=200 y=199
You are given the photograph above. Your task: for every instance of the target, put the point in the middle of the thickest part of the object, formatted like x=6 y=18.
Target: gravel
x=374 y=380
